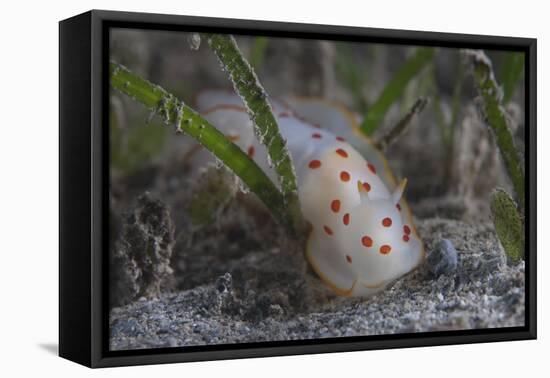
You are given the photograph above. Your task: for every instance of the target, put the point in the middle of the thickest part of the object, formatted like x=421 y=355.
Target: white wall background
x=29 y=189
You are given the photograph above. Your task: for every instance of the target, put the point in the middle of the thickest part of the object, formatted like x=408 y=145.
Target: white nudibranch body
x=362 y=235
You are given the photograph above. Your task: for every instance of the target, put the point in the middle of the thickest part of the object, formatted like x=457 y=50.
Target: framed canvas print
x=233 y=188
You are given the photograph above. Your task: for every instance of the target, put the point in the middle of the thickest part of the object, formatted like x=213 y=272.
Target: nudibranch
x=362 y=235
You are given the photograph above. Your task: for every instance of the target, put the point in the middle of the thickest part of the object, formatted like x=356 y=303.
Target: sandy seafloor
x=269 y=295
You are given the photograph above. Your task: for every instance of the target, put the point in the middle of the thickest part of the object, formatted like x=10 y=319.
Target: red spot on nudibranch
x=366 y=186
x=342 y=153
x=385 y=249
x=386 y=222
x=406 y=238
x=344 y=176
x=348 y=258
x=406 y=229
x=335 y=206
x=284 y=115
x=345 y=219
x=251 y=151
x=398 y=207
x=328 y=230
x=372 y=168
x=314 y=164
x=233 y=138
x=367 y=241
x=316 y=136
x=340 y=139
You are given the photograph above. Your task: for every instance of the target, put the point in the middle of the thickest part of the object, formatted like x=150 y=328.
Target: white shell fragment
x=362 y=235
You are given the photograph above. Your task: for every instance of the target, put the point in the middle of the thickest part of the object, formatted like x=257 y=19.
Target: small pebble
x=443 y=259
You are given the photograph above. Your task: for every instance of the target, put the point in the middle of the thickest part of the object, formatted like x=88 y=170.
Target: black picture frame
x=83 y=196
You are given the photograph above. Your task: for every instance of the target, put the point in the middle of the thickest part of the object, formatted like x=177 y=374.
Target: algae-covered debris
x=140 y=260
x=508 y=225
x=496 y=118
x=507 y=216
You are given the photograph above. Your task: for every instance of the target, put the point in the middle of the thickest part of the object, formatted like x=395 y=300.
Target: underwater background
x=191 y=264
